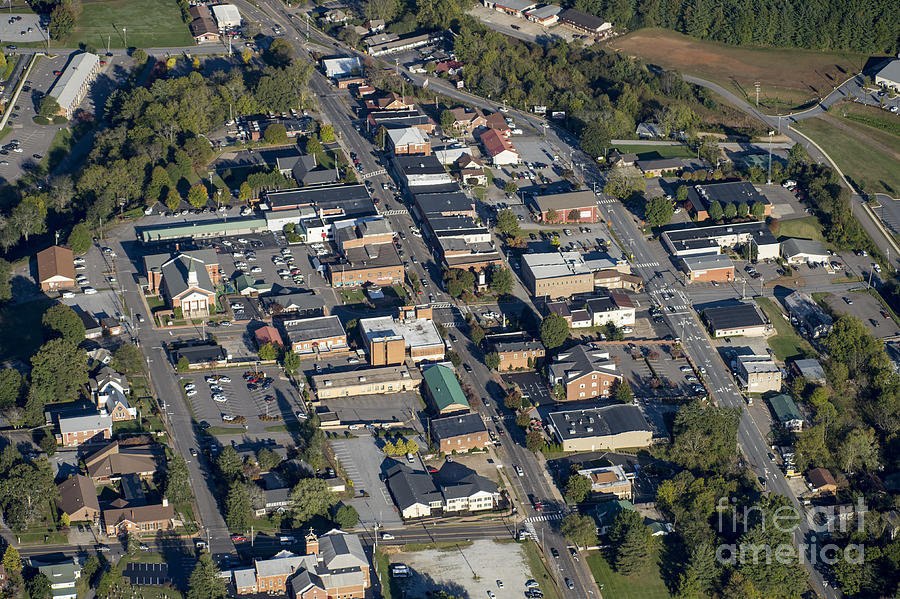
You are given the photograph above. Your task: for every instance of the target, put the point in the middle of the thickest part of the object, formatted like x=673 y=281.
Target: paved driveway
x=361 y=459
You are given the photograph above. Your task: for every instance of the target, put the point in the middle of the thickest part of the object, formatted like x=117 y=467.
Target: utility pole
x=125 y=37
x=756 y=85
x=769 y=177
x=108 y=42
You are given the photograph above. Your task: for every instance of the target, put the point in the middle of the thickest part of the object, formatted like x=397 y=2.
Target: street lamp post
x=769 y=177
x=125 y=38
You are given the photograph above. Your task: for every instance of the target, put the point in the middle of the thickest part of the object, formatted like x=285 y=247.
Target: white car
x=68 y=294
x=224 y=379
x=387 y=536
x=685 y=369
x=89 y=291
x=191 y=393
x=190 y=386
x=219 y=398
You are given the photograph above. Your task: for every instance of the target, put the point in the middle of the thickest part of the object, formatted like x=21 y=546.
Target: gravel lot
x=455 y=570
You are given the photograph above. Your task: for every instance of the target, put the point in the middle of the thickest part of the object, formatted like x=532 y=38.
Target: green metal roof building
x=786 y=412
x=444 y=390
x=245 y=285
x=202 y=229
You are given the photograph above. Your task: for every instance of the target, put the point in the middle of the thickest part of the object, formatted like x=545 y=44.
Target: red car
x=238 y=538
x=57 y=73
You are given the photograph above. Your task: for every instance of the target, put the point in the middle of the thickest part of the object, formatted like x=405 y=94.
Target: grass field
x=786 y=343
x=807 y=227
x=539 y=570
x=859 y=159
x=656 y=152
x=147 y=24
x=59 y=148
x=788 y=77
x=647 y=584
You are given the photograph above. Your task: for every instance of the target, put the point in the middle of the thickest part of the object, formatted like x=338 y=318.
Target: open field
x=147 y=24
x=647 y=584
x=807 y=227
x=786 y=343
x=856 y=150
x=788 y=78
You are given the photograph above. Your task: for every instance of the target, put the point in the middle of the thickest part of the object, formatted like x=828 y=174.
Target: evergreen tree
x=205 y=582
x=237 y=507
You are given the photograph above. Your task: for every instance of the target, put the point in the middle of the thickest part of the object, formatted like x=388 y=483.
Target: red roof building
x=268 y=334
x=499 y=148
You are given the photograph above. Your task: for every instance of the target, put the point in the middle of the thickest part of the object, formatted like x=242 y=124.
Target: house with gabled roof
x=110 y=392
x=78 y=499
x=443 y=390
x=584 y=373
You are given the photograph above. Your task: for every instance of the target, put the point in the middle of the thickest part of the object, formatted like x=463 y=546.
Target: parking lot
x=865 y=307
x=533 y=385
x=25 y=27
x=239 y=400
x=467 y=572
x=362 y=460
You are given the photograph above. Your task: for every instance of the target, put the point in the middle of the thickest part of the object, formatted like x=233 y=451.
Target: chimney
x=165 y=502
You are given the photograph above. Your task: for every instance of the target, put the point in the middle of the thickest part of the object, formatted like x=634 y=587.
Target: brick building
x=316 y=335
x=584 y=373
x=519 y=355
x=76 y=430
x=571 y=207
x=459 y=433
x=388 y=340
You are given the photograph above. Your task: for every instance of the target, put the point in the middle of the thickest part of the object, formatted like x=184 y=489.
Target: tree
x=701 y=571
x=178 y=482
x=183 y=365
x=624 y=393
x=447 y=120
x=579 y=530
x=513 y=399
x=49 y=107
x=459 y=281
x=859 y=450
x=229 y=464
x=577 y=488
x=64 y=321
x=612 y=332
x=715 y=211
x=11 y=386
x=705 y=437
x=477 y=334
x=267 y=459
x=280 y=52
x=510 y=187
x=268 y=351
x=12 y=562
x=386 y=10
x=58 y=370
x=595 y=140
x=758 y=209
x=534 y=440
x=743 y=209
x=246 y=55
x=62 y=22
x=346 y=517
x=311 y=497
x=730 y=210
x=454 y=358
x=28 y=216
x=39 y=587
x=290 y=361
x=91 y=566
x=79 y=240
x=313 y=146
x=237 y=507
x=501 y=281
x=128 y=359
x=198 y=196
x=173 y=199
x=507 y=223
x=523 y=419
x=552 y=217
x=681 y=194
x=5 y=274
x=622 y=186
x=139 y=56
x=47 y=442
x=276 y=133
x=658 y=211
x=205 y=582
x=244 y=192
x=554 y=331
x=492 y=360
x=326 y=134
x=632 y=542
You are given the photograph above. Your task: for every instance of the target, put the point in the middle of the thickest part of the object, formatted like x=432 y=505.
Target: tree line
x=858 y=25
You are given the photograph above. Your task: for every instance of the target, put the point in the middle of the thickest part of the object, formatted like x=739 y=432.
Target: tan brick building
x=370 y=381
x=556 y=274
x=387 y=340
x=519 y=355
x=139 y=519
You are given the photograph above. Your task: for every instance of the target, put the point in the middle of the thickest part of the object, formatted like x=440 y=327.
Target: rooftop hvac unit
x=362 y=379
x=589 y=429
x=571 y=431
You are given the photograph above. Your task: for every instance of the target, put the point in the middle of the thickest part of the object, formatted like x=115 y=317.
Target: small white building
x=889 y=76
x=341 y=67
x=798 y=251
x=758 y=373
x=227 y=16
x=616 y=308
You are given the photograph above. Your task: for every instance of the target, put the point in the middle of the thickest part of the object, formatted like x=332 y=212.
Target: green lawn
x=352 y=296
x=858 y=160
x=539 y=570
x=22 y=322
x=656 y=152
x=59 y=148
x=148 y=23
x=807 y=227
x=647 y=584
x=786 y=343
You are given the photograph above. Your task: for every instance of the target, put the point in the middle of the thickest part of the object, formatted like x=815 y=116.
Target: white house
x=617 y=308
x=797 y=251
x=110 y=390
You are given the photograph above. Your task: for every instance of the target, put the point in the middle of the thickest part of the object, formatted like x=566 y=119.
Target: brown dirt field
x=793 y=76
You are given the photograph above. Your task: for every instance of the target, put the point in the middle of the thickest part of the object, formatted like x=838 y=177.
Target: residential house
x=649 y=131
x=786 y=413
x=307 y=173
x=335 y=566
x=276 y=494
x=821 y=482
x=110 y=392
x=519 y=354
x=92 y=328
x=203 y=27
x=55 y=269
x=114 y=461
x=497 y=122
x=812 y=320
x=409 y=141
x=605 y=513
x=77 y=430
x=609 y=480
x=143 y=519
x=459 y=433
x=321 y=335
x=78 y=499
x=499 y=148
x=584 y=373
x=466 y=120
x=267 y=334
x=62 y=577
x=810 y=369
x=391 y=101
x=250 y=287
x=758 y=373
x=616 y=308
x=454 y=489
x=470 y=170
x=617 y=158
x=443 y=390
